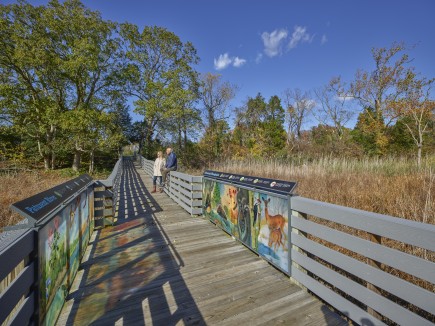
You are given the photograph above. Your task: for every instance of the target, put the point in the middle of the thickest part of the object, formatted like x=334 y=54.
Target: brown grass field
x=392 y=187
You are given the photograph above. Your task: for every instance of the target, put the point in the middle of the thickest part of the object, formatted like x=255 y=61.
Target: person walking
x=159 y=164
x=171 y=165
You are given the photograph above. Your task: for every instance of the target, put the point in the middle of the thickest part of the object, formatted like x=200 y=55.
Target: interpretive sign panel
x=39 y=205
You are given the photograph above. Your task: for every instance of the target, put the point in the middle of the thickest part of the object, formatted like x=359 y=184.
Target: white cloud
x=273 y=41
x=238 y=62
x=258 y=58
x=344 y=98
x=299 y=35
x=324 y=39
x=222 y=62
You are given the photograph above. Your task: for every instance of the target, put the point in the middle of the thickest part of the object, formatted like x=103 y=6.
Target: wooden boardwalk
x=160 y=266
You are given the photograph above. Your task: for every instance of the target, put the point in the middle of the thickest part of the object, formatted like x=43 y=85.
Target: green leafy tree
x=367 y=133
x=31 y=84
x=57 y=62
x=259 y=127
x=159 y=75
x=89 y=55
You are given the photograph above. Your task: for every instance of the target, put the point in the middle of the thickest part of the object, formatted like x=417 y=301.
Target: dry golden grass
x=392 y=187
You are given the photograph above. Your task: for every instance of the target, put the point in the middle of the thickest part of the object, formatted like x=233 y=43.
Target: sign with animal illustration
x=84 y=222
x=258 y=219
x=74 y=246
x=60 y=241
x=53 y=257
x=270 y=185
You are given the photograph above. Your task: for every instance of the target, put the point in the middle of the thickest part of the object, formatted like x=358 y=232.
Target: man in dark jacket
x=171 y=165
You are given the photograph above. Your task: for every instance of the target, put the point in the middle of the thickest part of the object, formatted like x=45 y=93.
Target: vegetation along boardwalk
x=160 y=266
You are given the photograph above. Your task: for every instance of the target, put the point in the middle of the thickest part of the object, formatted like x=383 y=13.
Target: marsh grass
x=394 y=187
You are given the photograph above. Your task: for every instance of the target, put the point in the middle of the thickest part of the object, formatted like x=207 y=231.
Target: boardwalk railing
x=375 y=269
x=106 y=194
x=184 y=189
x=18 y=274
x=38 y=262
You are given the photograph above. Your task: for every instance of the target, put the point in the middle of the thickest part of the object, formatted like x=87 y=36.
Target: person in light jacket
x=159 y=164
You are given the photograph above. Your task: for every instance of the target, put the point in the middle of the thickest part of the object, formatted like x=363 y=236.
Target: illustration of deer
x=275 y=238
x=234 y=212
x=276 y=225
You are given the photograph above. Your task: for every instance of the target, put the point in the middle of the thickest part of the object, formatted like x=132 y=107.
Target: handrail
x=355 y=260
x=328 y=256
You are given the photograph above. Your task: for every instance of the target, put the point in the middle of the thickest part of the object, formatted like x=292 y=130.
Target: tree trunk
x=419 y=155
x=91 y=165
x=47 y=162
x=179 y=138
x=185 y=138
x=53 y=160
x=77 y=160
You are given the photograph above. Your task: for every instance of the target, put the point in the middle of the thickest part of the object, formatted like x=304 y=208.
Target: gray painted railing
x=375 y=286
x=350 y=272
x=18 y=274
x=184 y=189
x=19 y=296
x=107 y=195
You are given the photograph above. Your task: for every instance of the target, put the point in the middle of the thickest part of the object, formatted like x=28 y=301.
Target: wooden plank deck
x=160 y=266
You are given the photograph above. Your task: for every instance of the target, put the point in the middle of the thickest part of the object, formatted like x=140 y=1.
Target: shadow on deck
x=158 y=265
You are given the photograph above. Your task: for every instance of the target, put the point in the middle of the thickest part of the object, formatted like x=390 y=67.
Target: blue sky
x=269 y=46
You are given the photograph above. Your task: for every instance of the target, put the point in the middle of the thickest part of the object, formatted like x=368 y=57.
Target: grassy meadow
x=390 y=186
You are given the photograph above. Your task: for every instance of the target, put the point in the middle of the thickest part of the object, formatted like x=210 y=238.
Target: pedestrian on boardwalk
x=171 y=165
x=159 y=164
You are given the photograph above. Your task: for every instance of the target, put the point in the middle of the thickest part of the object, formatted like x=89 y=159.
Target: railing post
x=376 y=239
x=301 y=233
x=35 y=258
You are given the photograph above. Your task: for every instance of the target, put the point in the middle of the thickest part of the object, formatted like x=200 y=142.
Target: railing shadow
x=132 y=274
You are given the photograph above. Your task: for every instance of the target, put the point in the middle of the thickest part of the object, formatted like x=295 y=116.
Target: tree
x=334 y=107
x=215 y=96
x=259 y=126
x=56 y=63
x=88 y=54
x=379 y=88
x=366 y=133
x=416 y=109
x=159 y=74
x=32 y=86
x=298 y=107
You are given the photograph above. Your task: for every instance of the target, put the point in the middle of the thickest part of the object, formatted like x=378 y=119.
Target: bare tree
x=381 y=87
x=334 y=109
x=215 y=96
x=416 y=109
x=298 y=106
